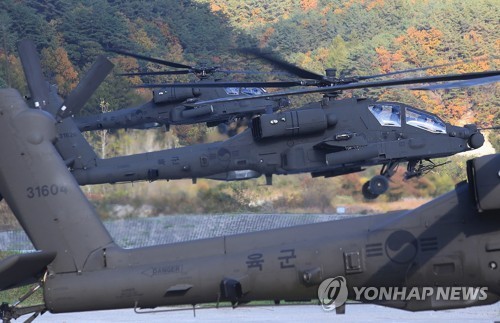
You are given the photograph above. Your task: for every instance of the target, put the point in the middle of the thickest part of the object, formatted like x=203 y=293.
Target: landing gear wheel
x=366 y=192
x=378 y=185
x=1 y=198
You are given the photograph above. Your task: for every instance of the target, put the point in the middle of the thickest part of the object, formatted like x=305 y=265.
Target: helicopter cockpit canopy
x=424 y=121
x=244 y=90
x=387 y=114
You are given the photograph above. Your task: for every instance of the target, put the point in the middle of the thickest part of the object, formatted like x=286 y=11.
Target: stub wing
x=23 y=269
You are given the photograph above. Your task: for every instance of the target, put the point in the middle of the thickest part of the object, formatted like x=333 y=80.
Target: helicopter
x=167 y=106
x=322 y=138
x=450 y=242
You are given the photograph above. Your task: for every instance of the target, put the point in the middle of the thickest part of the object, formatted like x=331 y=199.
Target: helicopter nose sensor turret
x=476 y=139
x=469 y=132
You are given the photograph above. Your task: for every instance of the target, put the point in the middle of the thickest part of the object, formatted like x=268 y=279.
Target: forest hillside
x=357 y=37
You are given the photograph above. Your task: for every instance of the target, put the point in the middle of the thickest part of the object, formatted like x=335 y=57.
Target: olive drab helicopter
x=327 y=138
x=450 y=242
x=167 y=106
x=322 y=138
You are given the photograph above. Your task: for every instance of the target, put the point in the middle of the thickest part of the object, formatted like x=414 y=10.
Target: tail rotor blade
x=84 y=90
x=38 y=86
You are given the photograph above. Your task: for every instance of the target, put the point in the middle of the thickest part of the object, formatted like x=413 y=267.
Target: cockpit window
x=424 y=121
x=244 y=90
x=387 y=114
x=252 y=90
x=232 y=90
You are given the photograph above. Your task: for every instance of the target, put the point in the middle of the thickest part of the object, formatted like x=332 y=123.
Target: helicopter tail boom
x=43 y=196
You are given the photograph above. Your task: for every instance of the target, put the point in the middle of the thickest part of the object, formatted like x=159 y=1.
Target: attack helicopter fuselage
x=444 y=243
x=326 y=138
x=167 y=108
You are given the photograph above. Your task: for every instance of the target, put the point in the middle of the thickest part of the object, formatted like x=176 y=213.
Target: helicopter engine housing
x=174 y=94
x=291 y=123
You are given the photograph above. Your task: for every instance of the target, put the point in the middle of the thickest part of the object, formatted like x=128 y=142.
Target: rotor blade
x=253 y=72
x=223 y=84
x=490 y=128
x=295 y=70
x=374 y=84
x=459 y=84
x=149 y=59
x=84 y=90
x=190 y=71
x=411 y=70
x=38 y=86
x=155 y=73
